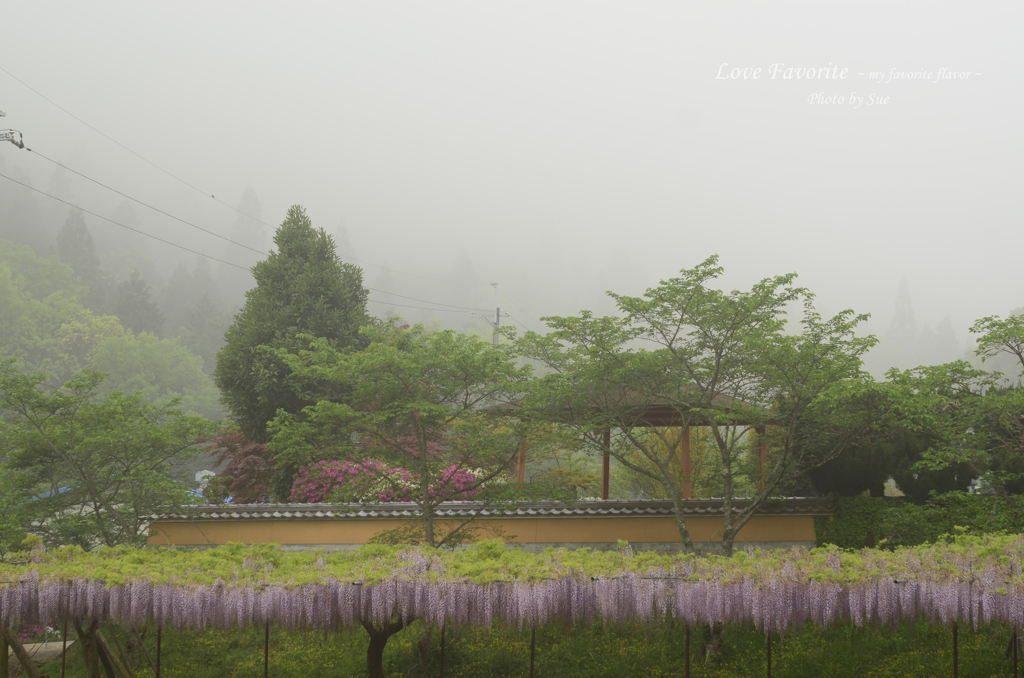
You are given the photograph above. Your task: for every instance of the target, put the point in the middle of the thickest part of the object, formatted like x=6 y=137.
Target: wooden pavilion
x=662 y=415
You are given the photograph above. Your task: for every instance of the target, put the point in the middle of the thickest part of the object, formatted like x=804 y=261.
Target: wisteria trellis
x=970 y=581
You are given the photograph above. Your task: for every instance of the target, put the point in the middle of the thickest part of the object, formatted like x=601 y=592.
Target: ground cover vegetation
x=596 y=650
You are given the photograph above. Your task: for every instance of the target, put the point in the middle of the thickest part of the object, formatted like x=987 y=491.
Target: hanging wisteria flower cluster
x=969 y=581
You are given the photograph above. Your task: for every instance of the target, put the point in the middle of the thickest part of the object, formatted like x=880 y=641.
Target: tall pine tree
x=75 y=248
x=301 y=288
x=135 y=309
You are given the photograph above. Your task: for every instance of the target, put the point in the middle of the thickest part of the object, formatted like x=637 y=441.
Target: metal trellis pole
x=956 y=663
x=533 y=646
x=64 y=649
x=1014 y=652
x=442 y=650
x=687 y=651
x=266 y=651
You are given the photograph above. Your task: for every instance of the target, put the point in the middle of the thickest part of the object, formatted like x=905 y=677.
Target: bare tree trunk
x=684 y=533
x=90 y=651
x=427 y=507
x=713 y=639
x=375 y=649
x=423 y=645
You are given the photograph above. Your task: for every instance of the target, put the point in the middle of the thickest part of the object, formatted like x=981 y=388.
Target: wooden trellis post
x=4 y=652
x=19 y=652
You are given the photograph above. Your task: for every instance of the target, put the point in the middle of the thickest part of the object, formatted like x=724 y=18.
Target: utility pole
x=8 y=134
x=498 y=315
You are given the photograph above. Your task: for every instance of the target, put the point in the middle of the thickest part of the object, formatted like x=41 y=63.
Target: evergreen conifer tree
x=301 y=288
x=75 y=247
x=135 y=309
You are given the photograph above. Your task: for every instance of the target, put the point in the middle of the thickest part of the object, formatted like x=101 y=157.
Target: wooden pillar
x=606 y=462
x=521 y=466
x=762 y=446
x=687 y=481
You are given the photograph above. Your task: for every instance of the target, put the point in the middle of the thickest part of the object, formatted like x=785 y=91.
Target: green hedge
x=889 y=522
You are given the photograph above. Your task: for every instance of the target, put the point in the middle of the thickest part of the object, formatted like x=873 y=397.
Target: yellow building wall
x=554 y=530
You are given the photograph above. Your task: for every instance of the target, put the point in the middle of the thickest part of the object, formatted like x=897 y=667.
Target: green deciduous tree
x=892 y=451
x=159 y=370
x=420 y=400
x=91 y=470
x=975 y=417
x=44 y=325
x=719 y=360
x=301 y=288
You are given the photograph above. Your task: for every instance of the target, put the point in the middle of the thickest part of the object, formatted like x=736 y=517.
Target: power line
x=111 y=138
x=423 y=308
x=517 y=322
x=426 y=301
x=144 y=204
x=502 y=293
x=188 y=223
x=411 y=275
x=194 y=188
x=117 y=223
x=372 y=289
x=235 y=242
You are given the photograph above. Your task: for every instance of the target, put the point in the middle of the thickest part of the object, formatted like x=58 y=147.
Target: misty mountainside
x=80 y=292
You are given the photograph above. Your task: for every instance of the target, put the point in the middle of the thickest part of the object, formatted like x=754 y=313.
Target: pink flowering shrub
x=369 y=480
x=31 y=631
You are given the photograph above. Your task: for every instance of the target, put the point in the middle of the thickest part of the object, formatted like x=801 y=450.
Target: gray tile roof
x=793 y=506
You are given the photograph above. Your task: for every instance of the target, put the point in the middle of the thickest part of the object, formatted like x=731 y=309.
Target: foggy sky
x=565 y=148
